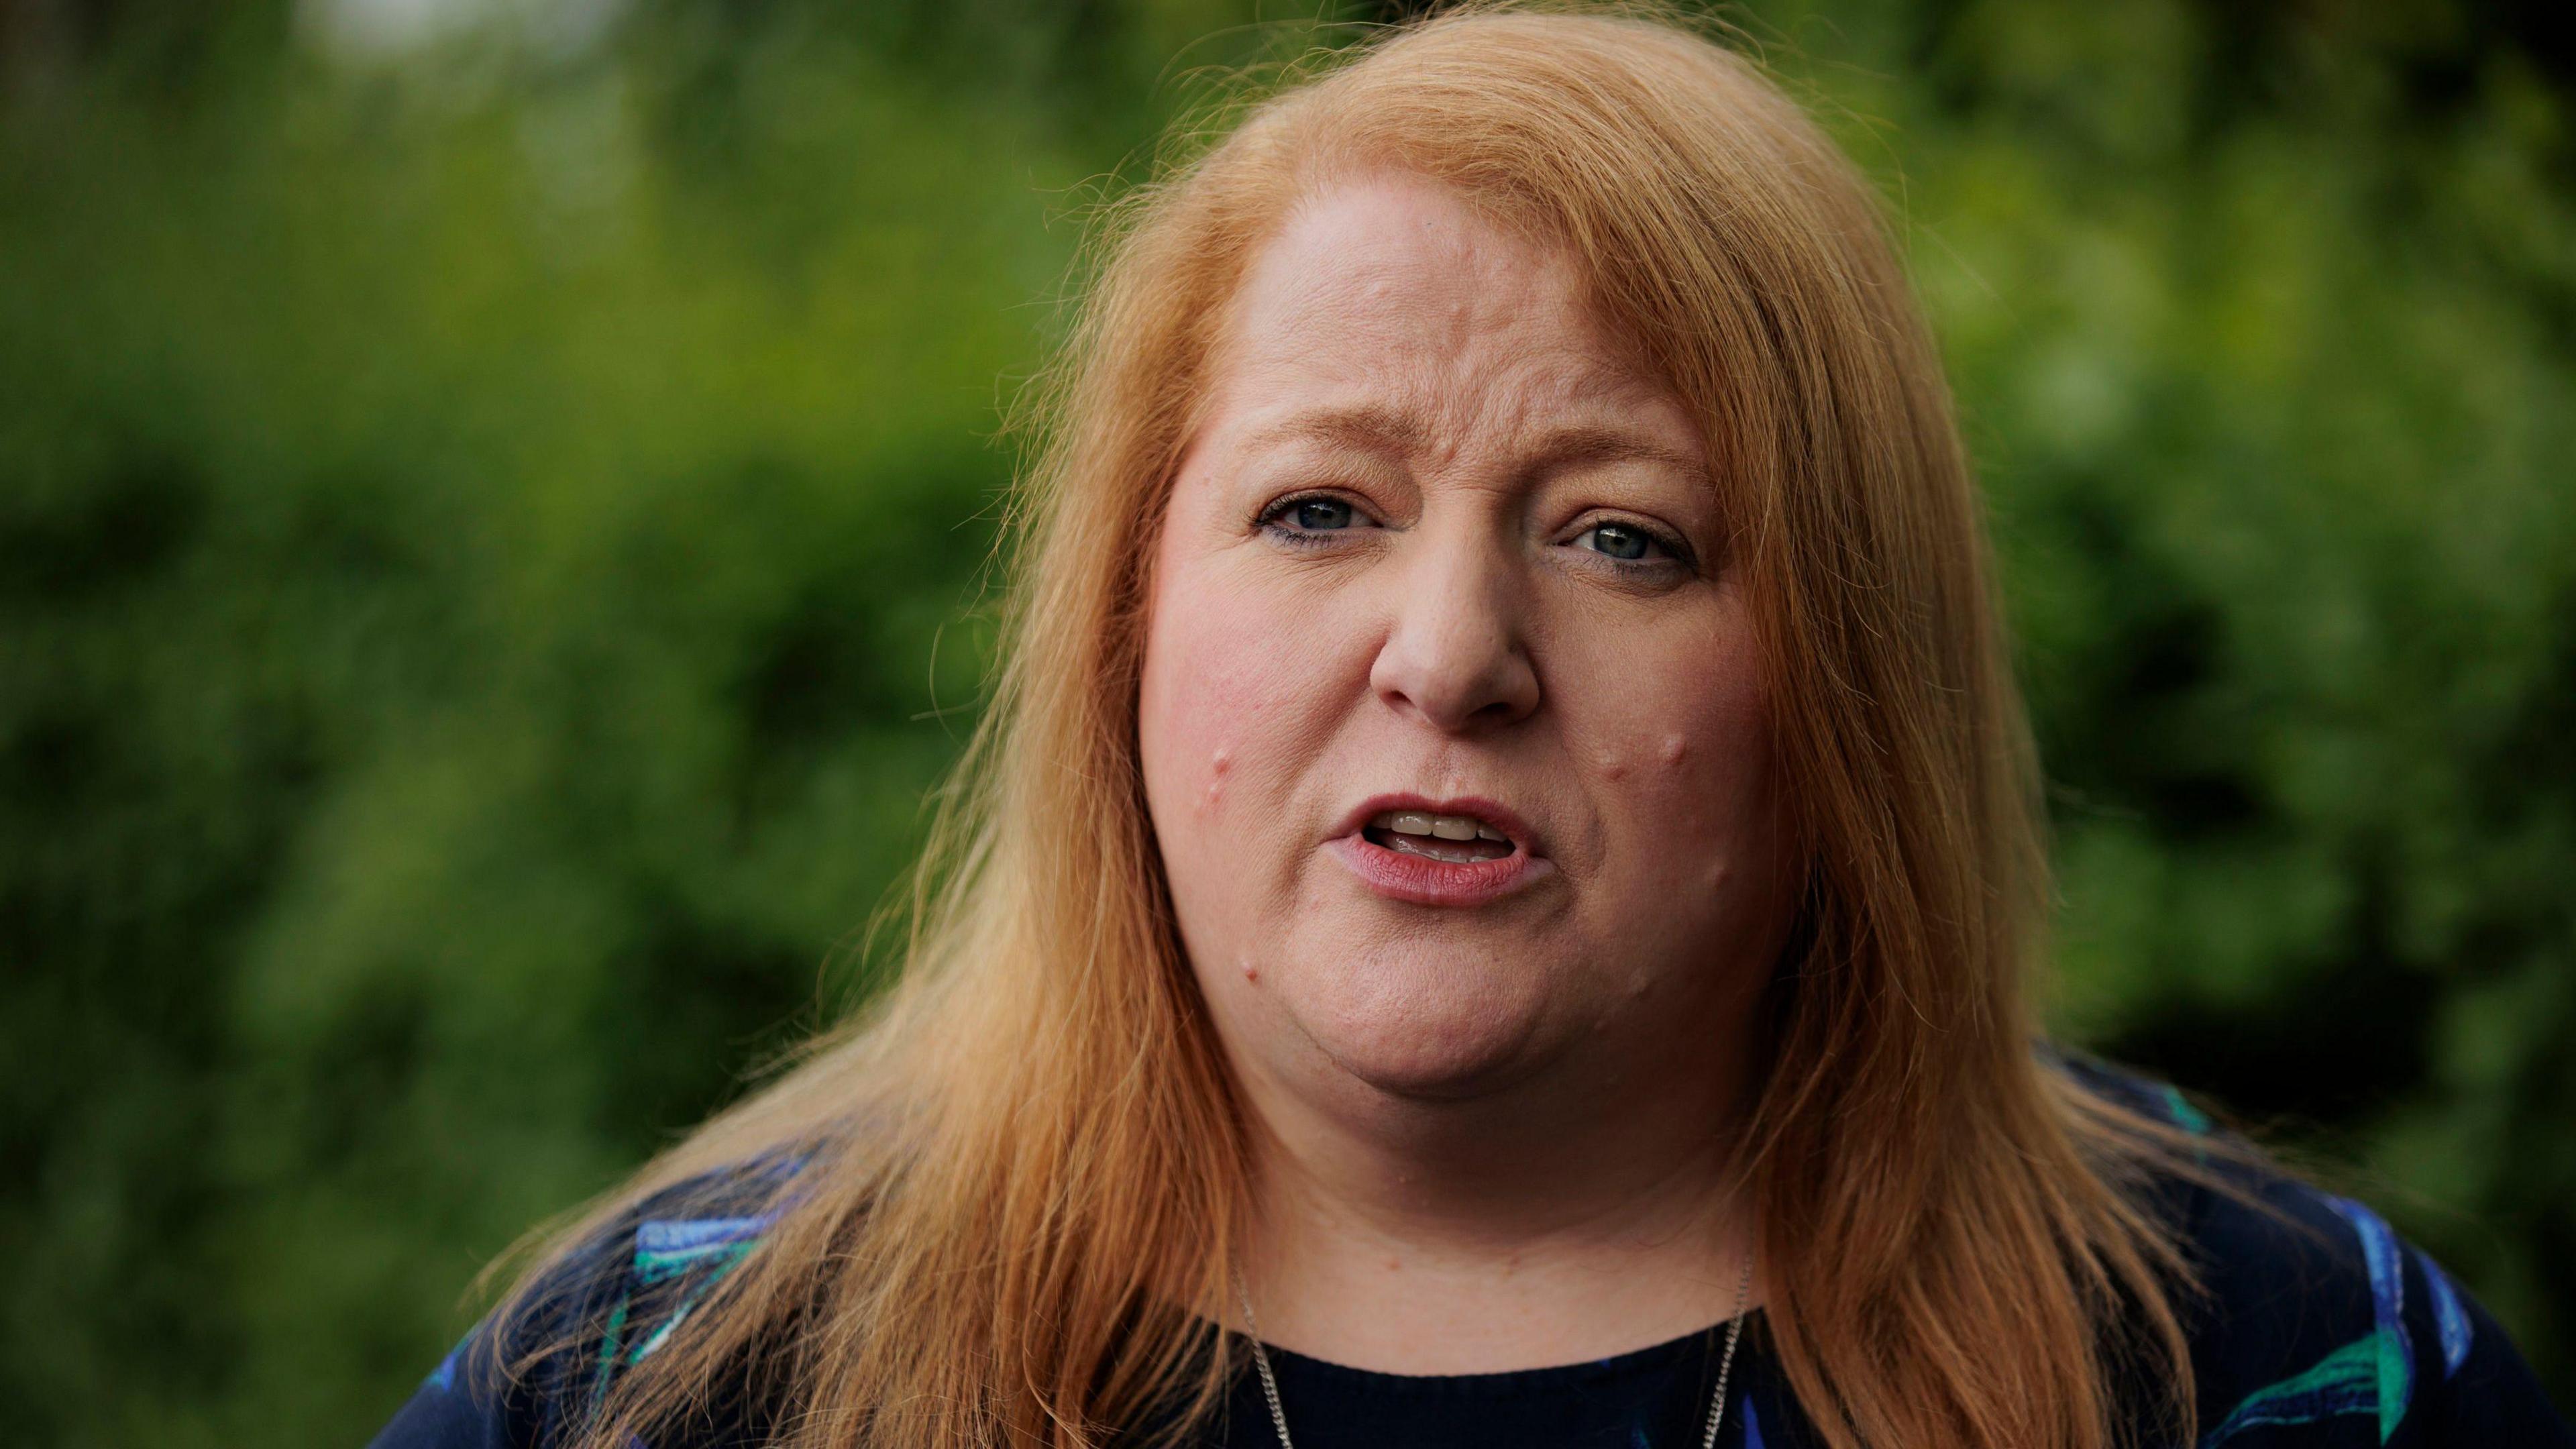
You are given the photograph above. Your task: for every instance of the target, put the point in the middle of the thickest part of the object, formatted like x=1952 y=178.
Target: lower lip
x=1422 y=881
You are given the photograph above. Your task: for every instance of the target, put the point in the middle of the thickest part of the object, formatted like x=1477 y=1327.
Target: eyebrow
x=1371 y=425
x=1377 y=427
x=1596 y=443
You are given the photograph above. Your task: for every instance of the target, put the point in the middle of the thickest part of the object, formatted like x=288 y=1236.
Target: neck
x=1570 y=1215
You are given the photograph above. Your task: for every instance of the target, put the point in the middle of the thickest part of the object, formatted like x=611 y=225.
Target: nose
x=1455 y=653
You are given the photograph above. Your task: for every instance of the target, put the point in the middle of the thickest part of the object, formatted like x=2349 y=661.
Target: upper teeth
x=1447 y=827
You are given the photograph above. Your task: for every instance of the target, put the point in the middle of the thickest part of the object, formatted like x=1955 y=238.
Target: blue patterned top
x=2322 y=1330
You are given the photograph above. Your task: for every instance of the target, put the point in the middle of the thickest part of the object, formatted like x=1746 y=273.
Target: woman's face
x=1454 y=735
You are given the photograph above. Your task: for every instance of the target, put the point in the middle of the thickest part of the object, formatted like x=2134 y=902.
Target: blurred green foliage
x=492 y=520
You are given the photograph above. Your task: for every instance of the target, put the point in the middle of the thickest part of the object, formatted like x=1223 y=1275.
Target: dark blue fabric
x=2322 y=1329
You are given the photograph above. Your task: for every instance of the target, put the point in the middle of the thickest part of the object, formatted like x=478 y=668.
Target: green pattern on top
x=2184 y=1115
x=699 y=1250
x=2345 y=1381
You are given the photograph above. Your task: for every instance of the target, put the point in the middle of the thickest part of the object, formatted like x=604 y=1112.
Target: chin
x=1429 y=1032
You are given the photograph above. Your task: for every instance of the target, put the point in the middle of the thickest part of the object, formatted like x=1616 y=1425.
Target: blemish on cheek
x=1218 y=764
x=1250 y=971
x=1676 y=749
x=1612 y=767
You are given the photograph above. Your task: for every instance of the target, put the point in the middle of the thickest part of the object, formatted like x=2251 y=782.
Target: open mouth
x=1462 y=852
x=1456 y=839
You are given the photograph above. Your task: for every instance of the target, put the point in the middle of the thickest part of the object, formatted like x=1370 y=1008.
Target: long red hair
x=1027 y=1163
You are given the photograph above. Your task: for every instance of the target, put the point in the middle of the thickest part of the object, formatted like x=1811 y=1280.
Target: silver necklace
x=1716 y=1403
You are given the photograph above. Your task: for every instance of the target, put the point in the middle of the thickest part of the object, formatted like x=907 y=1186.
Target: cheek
x=1680 y=746
x=1226 y=707
x=1193 y=706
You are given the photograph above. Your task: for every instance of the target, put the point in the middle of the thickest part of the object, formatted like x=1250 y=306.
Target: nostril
x=1457 y=687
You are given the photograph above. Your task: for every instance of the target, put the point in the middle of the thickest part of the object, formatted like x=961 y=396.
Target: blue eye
x=1320 y=515
x=1309 y=520
x=1621 y=541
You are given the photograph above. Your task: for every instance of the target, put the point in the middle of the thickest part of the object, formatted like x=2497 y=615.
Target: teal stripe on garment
x=669 y=1247
x=707 y=1248
x=608 y=1352
x=2395 y=1366
x=2180 y=1111
x=2345 y=1381
x=655 y=1267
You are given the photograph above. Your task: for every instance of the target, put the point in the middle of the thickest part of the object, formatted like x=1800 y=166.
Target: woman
x=1495 y=900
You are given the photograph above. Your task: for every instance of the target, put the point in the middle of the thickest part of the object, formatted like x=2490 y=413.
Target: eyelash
x=1676 y=552
x=1273 y=518
x=1272 y=521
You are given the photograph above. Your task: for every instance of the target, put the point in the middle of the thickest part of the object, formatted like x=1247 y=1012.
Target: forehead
x=1393 y=290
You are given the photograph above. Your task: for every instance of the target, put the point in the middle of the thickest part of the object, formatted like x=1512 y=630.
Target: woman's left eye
x=1320 y=515
x=1623 y=541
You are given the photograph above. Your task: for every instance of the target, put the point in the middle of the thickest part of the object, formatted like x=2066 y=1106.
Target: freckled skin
x=1460 y=638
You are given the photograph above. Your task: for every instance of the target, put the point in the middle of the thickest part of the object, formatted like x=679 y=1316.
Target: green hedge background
x=493 y=501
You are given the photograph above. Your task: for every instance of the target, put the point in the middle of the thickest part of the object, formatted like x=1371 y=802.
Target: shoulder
x=527 y=1376
x=2319 y=1324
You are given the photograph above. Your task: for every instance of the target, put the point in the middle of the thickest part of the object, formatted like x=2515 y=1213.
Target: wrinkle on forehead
x=1406 y=248
x=1391 y=294
x=1396 y=429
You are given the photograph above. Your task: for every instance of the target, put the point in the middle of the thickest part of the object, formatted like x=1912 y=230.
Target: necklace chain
x=1716 y=1403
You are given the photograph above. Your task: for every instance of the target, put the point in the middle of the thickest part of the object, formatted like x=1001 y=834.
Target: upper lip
x=1492 y=812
